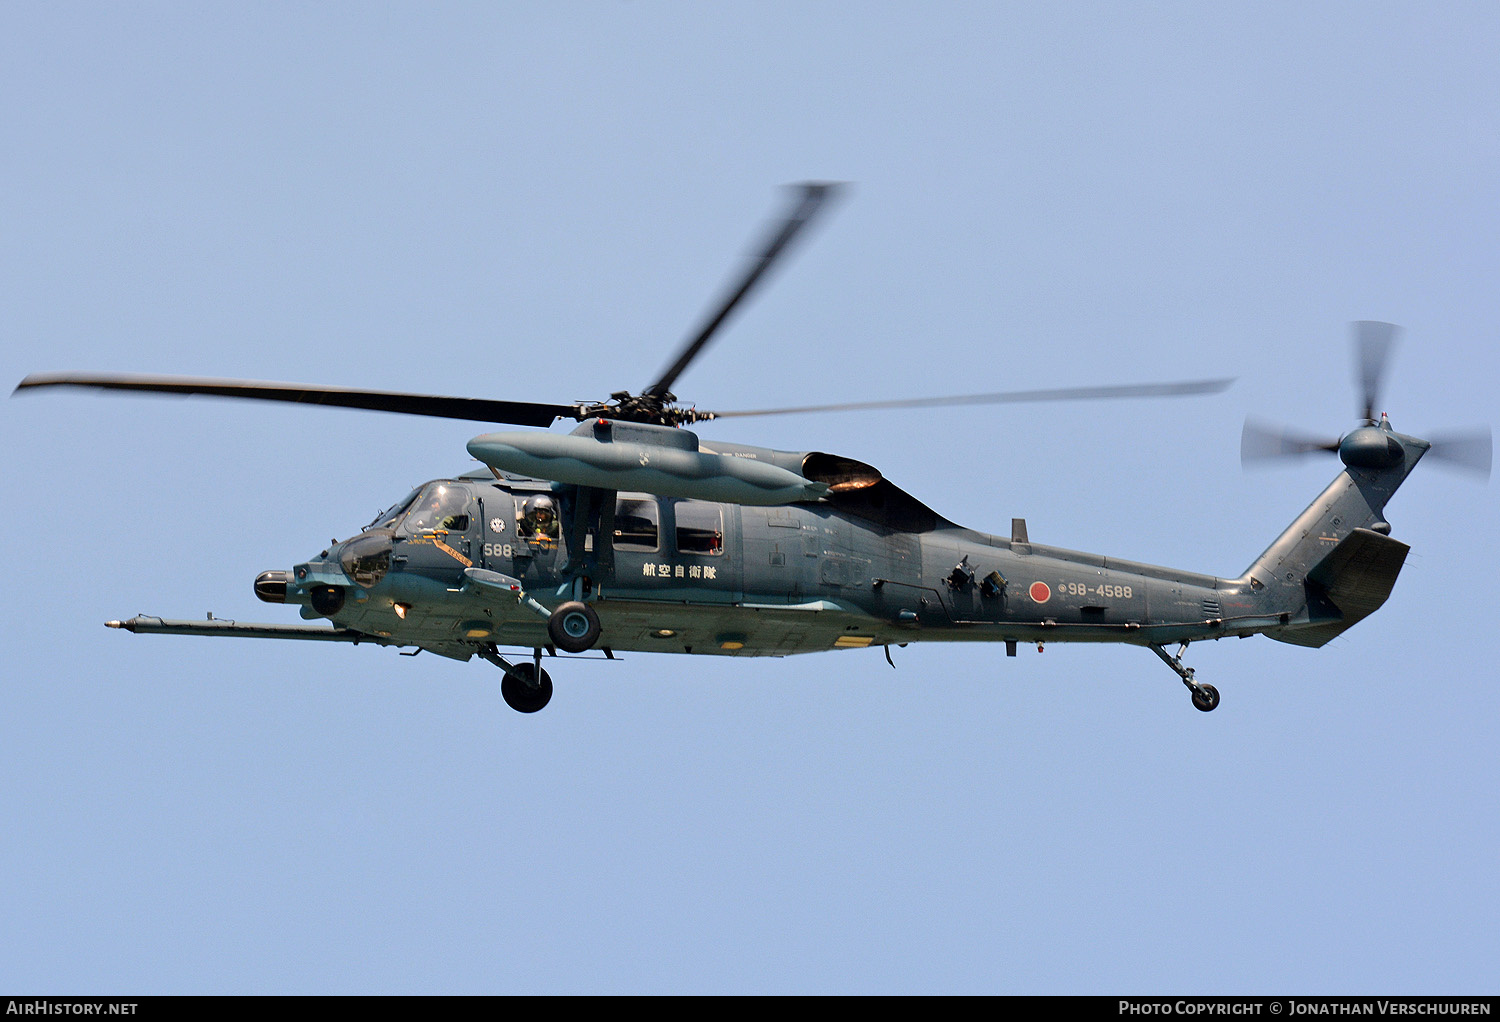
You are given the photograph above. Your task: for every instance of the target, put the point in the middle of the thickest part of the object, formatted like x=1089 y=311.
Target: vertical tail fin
x=1336 y=564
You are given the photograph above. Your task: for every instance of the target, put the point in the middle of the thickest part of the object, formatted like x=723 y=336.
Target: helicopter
x=632 y=533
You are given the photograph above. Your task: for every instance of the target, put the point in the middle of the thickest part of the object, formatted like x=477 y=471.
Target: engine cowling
x=647 y=468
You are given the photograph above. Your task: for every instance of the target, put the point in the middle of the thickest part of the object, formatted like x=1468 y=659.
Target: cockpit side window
x=439 y=506
x=537 y=523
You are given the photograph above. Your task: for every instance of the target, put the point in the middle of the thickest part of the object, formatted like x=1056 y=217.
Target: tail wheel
x=522 y=692
x=1205 y=697
x=574 y=627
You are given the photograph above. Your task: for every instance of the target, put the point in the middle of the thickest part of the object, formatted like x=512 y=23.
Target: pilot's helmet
x=542 y=509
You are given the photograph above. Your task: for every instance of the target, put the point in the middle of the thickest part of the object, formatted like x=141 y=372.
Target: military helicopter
x=633 y=534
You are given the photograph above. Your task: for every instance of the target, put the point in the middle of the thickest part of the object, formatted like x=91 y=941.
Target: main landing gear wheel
x=573 y=627
x=520 y=693
x=1205 y=697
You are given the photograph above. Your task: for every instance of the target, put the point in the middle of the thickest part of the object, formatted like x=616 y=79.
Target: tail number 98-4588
x=1108 y=591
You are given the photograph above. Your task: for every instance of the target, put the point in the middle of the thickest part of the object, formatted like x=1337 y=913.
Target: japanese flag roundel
x=1040 y=592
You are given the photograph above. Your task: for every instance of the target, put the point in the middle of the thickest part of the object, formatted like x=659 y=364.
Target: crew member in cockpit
x=437 y=511
x=538 y=525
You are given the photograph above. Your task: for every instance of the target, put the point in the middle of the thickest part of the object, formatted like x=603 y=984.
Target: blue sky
x=538 y=202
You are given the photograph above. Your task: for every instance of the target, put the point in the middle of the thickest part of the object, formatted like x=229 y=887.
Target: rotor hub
x=652 y=409
x=1371 y=447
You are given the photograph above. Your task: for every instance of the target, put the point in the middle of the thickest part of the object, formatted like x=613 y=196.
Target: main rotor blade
x=1470 y=450
x=1006 y=397
x=1262 y=442
x=521 y=413
x=810 y=197
x=1372 y=343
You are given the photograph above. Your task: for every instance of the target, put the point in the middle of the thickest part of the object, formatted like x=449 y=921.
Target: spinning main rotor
x=656 y=404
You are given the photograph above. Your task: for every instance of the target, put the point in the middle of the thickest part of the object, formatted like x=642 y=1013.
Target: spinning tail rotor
x=1469 y=450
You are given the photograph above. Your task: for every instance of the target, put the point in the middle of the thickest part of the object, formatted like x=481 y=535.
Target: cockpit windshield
x=388 y=518
x=438 y=506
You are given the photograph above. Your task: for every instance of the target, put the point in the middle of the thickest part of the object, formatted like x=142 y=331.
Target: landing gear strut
x=526 y=688
x=1205 y=697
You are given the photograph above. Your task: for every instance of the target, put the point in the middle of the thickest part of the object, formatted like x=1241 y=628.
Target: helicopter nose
x=270 y=586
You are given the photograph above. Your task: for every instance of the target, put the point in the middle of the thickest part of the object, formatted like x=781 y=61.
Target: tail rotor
x=1468 y=450
x=1372 y=350
x=1262 y=442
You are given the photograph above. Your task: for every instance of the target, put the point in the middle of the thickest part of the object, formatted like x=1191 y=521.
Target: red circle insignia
x=1040 y=592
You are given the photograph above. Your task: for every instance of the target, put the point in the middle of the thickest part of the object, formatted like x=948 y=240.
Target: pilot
x=538 y=526
x=434 y=513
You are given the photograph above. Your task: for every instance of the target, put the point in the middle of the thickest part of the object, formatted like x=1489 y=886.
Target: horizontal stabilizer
x=1356 y=577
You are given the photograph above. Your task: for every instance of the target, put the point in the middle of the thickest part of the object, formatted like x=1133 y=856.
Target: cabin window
x=636 y=524
x=700 y=528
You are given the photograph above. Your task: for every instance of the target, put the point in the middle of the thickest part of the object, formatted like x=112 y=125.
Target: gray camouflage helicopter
x=632 y=533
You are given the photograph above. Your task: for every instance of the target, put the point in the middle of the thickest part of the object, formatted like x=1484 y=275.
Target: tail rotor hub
x=1371 y=447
